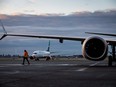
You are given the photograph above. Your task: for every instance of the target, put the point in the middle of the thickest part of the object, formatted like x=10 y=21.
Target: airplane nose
x=33 y=55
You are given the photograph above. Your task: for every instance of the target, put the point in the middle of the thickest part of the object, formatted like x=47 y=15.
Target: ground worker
x=25 y=57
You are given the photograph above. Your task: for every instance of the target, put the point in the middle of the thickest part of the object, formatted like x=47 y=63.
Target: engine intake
x=95 y=48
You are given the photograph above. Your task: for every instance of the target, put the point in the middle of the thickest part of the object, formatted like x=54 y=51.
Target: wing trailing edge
x=105 y=34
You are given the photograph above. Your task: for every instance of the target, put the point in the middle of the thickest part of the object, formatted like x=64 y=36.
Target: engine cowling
x=95 y=48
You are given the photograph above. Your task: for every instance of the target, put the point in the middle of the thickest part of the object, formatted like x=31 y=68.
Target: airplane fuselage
x=39 y=54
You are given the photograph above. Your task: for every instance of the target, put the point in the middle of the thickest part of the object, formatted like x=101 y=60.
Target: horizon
x=38 y=7
x=76 y=13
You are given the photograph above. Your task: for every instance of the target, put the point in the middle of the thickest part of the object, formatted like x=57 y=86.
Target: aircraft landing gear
x=112 y=58
x=47 y=58
x=36 y=59
x=110 y=61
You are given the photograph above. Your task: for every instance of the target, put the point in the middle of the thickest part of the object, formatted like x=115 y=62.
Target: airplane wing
x=61 y=38
x=102 y=34
x=111 y=42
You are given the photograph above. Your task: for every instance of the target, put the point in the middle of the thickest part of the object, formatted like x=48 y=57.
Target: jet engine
x=95 y=48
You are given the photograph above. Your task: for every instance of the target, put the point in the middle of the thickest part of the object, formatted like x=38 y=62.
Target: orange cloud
x=2 y=16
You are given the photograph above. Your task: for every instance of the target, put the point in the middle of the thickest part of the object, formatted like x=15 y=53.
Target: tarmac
x=75 y=72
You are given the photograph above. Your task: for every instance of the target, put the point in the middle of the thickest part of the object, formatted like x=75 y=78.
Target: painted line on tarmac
x=9 y=65
x=54 y=64
x=94 y=64
x=10 y=72
x=82 y=69
x=85 y=68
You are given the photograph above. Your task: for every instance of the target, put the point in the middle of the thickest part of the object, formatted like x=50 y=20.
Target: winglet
x=5 y=33
x=3 y=36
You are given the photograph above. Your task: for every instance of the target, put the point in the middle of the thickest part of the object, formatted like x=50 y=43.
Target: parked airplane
x=93 y=48
x=41 y=54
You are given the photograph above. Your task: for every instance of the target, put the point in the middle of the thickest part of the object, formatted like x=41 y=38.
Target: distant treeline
x=71 y=56
x=8 y=56
x=54 y=56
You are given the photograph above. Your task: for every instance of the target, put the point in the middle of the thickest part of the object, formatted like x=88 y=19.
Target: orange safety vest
x=25 y=54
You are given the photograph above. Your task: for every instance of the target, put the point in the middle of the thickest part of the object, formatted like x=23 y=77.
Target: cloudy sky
x=54 y=17
x=53 y=6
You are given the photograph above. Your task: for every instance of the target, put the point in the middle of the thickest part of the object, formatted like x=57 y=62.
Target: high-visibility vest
x=25 y=54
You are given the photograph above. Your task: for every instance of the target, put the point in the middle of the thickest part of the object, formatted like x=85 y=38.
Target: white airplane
x=93 y=48
x=41 y=54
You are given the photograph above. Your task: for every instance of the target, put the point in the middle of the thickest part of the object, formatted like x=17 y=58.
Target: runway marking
x=12 y=72
x=94 y=64
x=85 y=68
x=9 y=65
x=55 y=64
x=82 y=69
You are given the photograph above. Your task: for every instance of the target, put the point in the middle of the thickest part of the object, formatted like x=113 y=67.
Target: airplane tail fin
x=5 y=33
x=48 y=46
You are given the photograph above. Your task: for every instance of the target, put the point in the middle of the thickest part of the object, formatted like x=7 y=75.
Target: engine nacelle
x=95 y=48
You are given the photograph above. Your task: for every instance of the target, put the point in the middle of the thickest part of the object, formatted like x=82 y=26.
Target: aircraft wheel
x=47 y=58
x=36 y=59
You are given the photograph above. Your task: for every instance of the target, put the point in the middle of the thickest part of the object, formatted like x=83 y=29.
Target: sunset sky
x=38 y=7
